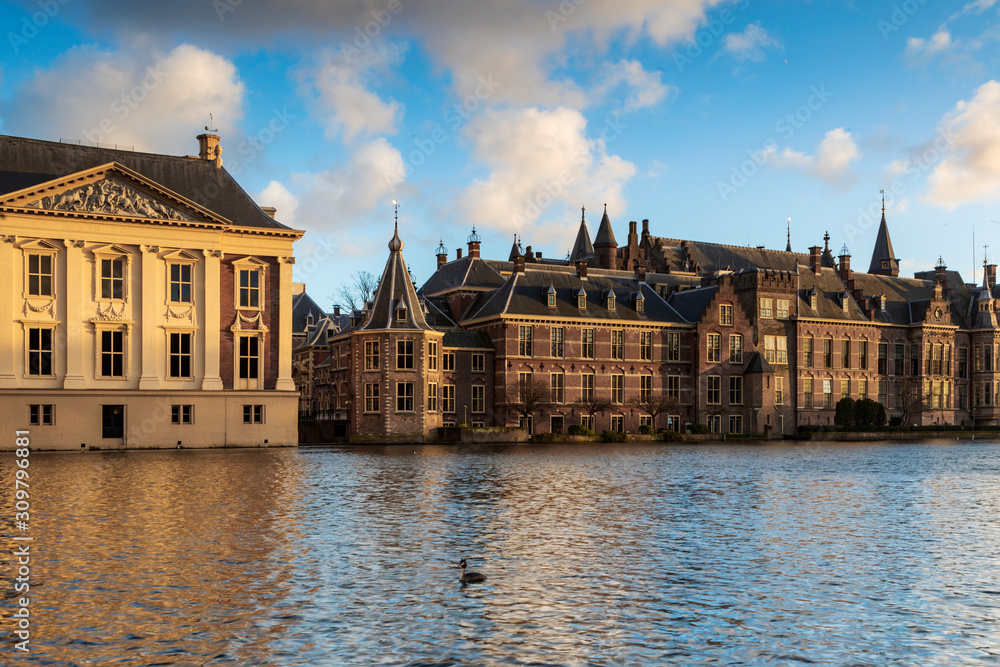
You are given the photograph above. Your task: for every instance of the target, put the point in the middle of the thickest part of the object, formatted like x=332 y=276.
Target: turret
x=605 y=245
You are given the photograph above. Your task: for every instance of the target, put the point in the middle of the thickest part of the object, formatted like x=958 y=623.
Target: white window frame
x=252 y=264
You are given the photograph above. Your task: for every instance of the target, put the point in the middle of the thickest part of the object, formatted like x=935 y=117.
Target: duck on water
x=469 y=577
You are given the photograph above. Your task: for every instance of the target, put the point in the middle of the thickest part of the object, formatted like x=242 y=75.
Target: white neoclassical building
x=145 y=301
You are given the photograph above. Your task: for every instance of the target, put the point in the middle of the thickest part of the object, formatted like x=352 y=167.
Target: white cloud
x=920 y=49
x=345 y=103
x=645 y=89
x=970 y=172
x=831 y=163
x=751 y=43
x=154 y=102
x=542 y=164
x=279 y=197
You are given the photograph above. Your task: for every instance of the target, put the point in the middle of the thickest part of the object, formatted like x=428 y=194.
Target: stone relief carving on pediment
x=110 y=196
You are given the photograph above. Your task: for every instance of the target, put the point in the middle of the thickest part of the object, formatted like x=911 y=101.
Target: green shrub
x=578 y=429
x=845 y=412
x=869 y=414
x=645 y=429
x=699 y=428
x=613 y=436
x=548 y=437
x=896 y=421
x=671 y=436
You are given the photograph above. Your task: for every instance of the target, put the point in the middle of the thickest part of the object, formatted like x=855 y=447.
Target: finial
x=883 y=202
x=474 y=237
x=395 y=205
x=583 y=212
x=940 y=263
x=605 y=208
x=844 y=252
x=826 y=241
x=788 y=246
x=211 y=122
x=984 y=253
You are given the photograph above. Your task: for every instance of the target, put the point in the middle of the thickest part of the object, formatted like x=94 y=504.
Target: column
x=8 y=343
x=285 y=382
x=74 y=294
x=211 y=327
x=150 y=287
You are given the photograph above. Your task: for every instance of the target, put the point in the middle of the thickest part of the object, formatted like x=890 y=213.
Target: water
x=628 y=555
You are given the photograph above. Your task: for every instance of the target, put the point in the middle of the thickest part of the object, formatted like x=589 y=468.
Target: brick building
x=743 y=340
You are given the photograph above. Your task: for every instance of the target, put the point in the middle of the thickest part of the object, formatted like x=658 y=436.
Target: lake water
x=596 y=555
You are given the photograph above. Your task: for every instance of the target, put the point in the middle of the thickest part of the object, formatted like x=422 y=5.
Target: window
x=863 y=355
x=766 y=306
x=714 y=353
x=581 y=300
x=715 y=423
x=674 y=387
x=448 y=398
x=401 y=313
x=735 y=390
x=807 y=351
x=845 y=388
x=937 y=358
x=900 y=363
x=478 y=398
x=587 y=340
x=41 y=415
x=587 y=421
x=735 y=423
x=40 y=352
x=963 y=396
x=371 y=397
x=182 y=414
x=556 y=342
x=640 y=303
x=807 y=392
x=827 y=393
x=915 y=360
x=253 y=414
x=618 y=423
x=112 y=353
x=448 y=361
x=963 y=362
x=180 y=355
x=646 y=420
x=736 y=349
x=404 y=397
x=618 y=389
x=646 y=345
x=404 y=355
x=828 y=353
x=249 y=357
x=782 y=309
x=249 y=288
x=947 y=359
x=611 y=302
x=432 y=357
x=478 y=362
x=557 y=386
x=523 y=380
x=432 y=397
x=524 y=341
x=552 y=300
x=776 y=349
x=587 y=387
x=726 y=315
x=371 y=355
x=845 y=353
x=673 y=347
x=645 y=387
x=714 y=389
x=862 y=389
x=813 y=298
x=180 y=282
x=883 y=392
x=779 y=390
x=113 y=278
x=883 y=358
x=617 y=344
x=40 y=275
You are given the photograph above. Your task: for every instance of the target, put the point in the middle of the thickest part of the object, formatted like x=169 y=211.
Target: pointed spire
x=515 y=250
x=884 y=261
x=788 y=246
x=395 y=243
x=583 y=249
x=605 y=235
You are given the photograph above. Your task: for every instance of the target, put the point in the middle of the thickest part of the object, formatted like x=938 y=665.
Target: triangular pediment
x=111 y=190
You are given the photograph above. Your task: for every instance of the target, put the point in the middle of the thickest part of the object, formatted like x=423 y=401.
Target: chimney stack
x=581 y=268
x=645 y=227
x=640 y=271
x=845 y=267
x=941 y=273
x=815 y=258
x=209 y=149
x=474 y=241
x=519 y=264
x=458 y=253
x=442 y=254
x=991 y=275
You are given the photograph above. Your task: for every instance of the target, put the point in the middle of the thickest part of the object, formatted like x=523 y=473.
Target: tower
x=884 y=262
x=605 y=245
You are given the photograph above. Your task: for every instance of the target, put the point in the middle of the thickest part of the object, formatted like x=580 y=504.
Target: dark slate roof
x=436 y=312
x=470 y=340
x=583 y=249
x=525 y=294
x=883 y=249
x=713 y=257
x=466 y=273
x=302 y=306
x=757 y=364
x=906 y=299
x=318 y=336
x=605 y=235
x=29 y=162
x=830 y=294
x=395 y=289
x=692 y=303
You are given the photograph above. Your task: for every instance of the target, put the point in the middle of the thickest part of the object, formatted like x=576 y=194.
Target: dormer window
x=813 y=299
x=640 y=303
x=611 y=300
x=581 y=299
x=401 y=313
x=881 y=303
x=550 y=296
x=845 y=301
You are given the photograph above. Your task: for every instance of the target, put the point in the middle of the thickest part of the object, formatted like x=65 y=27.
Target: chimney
x=581 y=268
x=991 y=275
x=458 y=253
x=442 y=254
x=519 y=264
x=336 y=311
x=209 y=149
x=528 y=255
x=270 y=211
x=640 y=271
x=538 y=255
x=845 y=267
x=645 y=227
x=941 y=273
x=474 y=241
x=814 y=258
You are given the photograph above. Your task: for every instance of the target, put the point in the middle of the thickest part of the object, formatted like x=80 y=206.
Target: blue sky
x=717 y=121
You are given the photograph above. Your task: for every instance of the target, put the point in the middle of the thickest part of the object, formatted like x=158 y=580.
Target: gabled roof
x=692 y=303
x=395 y=296
x=302 y=306
x=26 y=163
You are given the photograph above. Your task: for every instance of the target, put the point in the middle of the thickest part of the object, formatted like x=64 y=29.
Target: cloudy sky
x=716 y=120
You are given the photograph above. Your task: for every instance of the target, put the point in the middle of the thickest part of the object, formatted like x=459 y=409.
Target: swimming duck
x=469 y=577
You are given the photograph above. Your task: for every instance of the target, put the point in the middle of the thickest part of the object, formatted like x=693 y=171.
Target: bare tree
x=908 y=398
x=656 y=405
x=593 y=405
x=357 y=291
x=527 y=398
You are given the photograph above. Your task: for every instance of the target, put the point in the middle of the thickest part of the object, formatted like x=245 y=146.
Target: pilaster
x=75 y=289
x=150 y=374
x=8 y=348
x=210 y=297
x=284 y=333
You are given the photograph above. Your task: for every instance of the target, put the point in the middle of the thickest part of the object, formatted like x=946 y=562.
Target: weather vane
x=211 y=122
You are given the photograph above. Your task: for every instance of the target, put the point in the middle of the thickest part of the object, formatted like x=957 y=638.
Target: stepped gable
x=26 y=163
x=395 y=292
